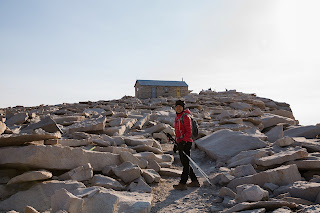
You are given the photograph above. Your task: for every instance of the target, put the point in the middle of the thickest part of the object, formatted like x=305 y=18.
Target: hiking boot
x=180 y=186
x=194 y=184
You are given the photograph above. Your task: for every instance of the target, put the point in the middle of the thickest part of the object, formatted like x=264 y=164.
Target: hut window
x=166 y=89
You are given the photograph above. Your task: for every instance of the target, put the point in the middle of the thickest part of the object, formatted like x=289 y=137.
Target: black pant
x=187 y=169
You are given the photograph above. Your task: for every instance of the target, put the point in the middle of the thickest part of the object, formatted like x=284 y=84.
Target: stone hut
x=153 y=89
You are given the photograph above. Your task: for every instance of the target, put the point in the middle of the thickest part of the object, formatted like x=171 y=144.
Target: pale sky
x=66 y=51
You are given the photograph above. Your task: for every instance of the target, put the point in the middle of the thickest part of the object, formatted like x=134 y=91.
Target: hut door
x=154 y=92
x=178 y=92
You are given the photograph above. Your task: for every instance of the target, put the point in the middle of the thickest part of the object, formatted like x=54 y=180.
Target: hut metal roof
x=162 y=83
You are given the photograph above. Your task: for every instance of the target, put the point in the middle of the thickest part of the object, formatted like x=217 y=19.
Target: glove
x=175 y=148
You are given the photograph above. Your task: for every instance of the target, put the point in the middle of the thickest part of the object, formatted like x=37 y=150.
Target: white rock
x=224 y=144
x=282 y=175
x=303 y=131
x=139 y=185
x=80 y=173
x=127 y=156
x=150 y=175
x=251 y=192
x=39 y=199
x=106 y=182
x=89 y=125
x=275 y=133
x=31 y=176
x=64 y=200
x=46 y=157
x=285 y=141
x=127 y=172
x=17 y=119
x=243 y=170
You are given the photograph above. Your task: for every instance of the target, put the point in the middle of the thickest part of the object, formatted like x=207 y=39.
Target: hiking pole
x=194 y=163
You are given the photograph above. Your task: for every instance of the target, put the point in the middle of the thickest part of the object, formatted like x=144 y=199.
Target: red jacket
x=183 y=130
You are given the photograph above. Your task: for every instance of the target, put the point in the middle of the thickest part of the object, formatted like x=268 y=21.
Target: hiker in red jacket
x=183 y=131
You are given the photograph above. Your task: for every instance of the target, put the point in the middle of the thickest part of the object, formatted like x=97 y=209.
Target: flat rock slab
x=312 y=145
x=20 y=139
x=106 y=182
x=312 y=162
x=17 y=119
x=31 y=176
x=281 y=157
x=89 y=125
x=224 y=144
x=38 y=196
x=159 y=158
x=269 y=120
x=303 y=131
x=280 y=176
x=99 y=199
x=56 y=157
x=47 y=124
x=269 y=205
x=301 y=189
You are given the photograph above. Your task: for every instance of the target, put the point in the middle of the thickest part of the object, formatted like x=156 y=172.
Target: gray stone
x=159 y=158
x=270 y=205
x=224 y=144
x=89 y=125
x=106 y=182
x=285 y=141
x=64 y=200
x=38 y=196
x=281 y=176
x=241 y=106
x=301 y=189
x=243 y=170
x=251 y=193
x=152 y=164
x=47 y=124
x=246 y=157
x=127 y=156
x=224 y=191
x=80 y=173
x=281 y=157
x=31 y=176
x=127 y=172
x=46 y=157
x=114 y=131
x=275 y=133
x=150 y=175
x=68 y=120
x=20 y=139
x=141 y=122
x=17 y=119
x=270 y=186
x=269 y=120
x=284 y=113
x=312 y=162
x=139 y=185
x=303 y=131
x=146 y=148
x=67 y=142
x=312 y=145
x=98 y=199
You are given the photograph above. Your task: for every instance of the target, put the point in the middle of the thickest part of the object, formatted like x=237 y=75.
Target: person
x=183 y=131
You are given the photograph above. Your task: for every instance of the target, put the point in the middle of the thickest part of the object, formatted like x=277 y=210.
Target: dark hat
x=180 y=102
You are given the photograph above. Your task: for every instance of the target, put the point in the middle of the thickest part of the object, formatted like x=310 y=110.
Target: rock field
x=113 y=156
